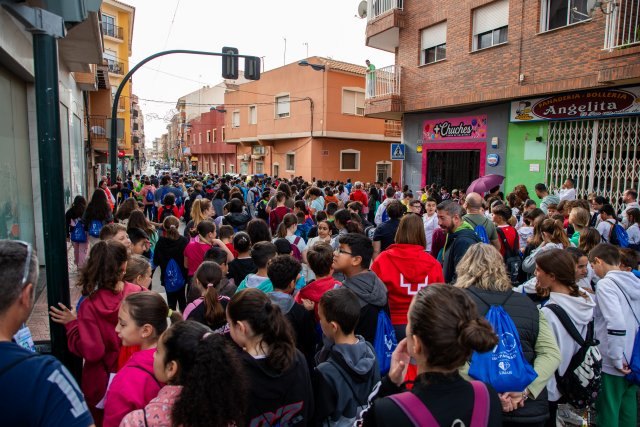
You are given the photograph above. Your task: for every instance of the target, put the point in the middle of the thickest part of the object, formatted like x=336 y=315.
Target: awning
x=194 y=159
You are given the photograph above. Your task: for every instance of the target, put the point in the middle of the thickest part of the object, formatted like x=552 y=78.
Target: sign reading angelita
x=588 y=104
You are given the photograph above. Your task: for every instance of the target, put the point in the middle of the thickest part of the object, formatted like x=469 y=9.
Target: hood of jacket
x=357 y=359
x=368 y=287
x=579 y=309
x=253 y=280
x=628 y=282
x=236 y=219
x=410 y=261
x=106 y=303
x=282 y=300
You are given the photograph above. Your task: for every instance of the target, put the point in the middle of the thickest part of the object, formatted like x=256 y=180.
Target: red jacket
x=315 y=289
x=93 y=337
x=360 y=196
x=405 y=269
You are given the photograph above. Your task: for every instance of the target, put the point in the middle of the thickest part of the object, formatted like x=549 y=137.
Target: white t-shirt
x=567 y=194
x=634 y=234
x=605 y=228
x=430 y=225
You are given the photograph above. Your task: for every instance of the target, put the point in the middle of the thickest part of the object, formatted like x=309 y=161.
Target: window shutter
x=492 y=16
x=348 y=102
x=282 y=105
x=434 y=35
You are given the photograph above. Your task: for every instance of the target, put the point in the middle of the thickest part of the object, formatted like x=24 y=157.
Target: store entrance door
x=452 y=168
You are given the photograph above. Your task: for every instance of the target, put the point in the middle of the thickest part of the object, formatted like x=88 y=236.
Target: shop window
x=235 y=119
x=283 y=106
x=353 y=102
x=253 y=115
x=349 y=160
x=433 y=43
x=291 y=162
x=490 y=24
x=561 y=13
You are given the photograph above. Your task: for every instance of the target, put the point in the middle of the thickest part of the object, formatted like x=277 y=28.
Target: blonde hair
x=483 y=267
x=198 y=208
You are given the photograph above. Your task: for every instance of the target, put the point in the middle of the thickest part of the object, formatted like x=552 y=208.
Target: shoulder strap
x=481 y=405
x=414 y=409
x=486 y=303
x=505 y=242
x=148 y=372
x=627 y=298
x=144 y=417
x=15 y=363
x=567 y=323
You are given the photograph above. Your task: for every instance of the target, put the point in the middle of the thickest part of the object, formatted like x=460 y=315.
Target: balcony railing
x=376 y=8
x=112 y=30
x=115 y=67
x=623 y=24
x=383 y=82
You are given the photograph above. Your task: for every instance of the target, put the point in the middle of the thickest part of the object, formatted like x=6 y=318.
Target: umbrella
x=485 y=183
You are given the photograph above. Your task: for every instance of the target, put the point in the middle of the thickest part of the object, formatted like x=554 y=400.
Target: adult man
x=371 y=77
x=165 y=189
x=475 y=217
x=34 y=389
x=460 y=236
x=568 y=191
x=358 y=195
x=547 y=199
x=629 y=197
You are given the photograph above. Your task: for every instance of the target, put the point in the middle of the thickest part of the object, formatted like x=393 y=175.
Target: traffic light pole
x=113 y=144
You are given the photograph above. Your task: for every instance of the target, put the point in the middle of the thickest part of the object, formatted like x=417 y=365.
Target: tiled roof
x=344 y=66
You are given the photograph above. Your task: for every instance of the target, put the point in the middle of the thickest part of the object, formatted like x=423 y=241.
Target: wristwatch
x=525 y=394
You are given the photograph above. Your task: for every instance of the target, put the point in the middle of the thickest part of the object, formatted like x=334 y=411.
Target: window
x=223 y=135
x=291 y=162
x=235 y=119
x=253 y=115
x=353 y=102
x=490 y=24
x=222 y=169
x=109 y=25
x=208 y=136
x=215 y=169
x=560 y=13
x=199 y=137
x=259 y=167
x=276 y=170
x=213 y=136
x=283 y=106
x=349 y=160
x=232 y=168
x=433 y=43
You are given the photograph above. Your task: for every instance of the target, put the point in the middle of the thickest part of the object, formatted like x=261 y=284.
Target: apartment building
x=137 y=134
x=307 y=119
x=537 y=90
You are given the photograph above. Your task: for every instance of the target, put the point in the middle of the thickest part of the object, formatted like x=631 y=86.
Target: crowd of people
x=298 y=303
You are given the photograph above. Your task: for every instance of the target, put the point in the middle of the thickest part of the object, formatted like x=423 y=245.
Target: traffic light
x=230 y=63
x=121 y=154
x=252 y=68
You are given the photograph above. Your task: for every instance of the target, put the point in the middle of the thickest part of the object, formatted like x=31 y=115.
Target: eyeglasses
x=27 y=262
x=341 y=251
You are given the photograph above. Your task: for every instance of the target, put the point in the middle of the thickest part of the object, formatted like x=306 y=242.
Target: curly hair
x=483 y=267
x=104 y=268
x=214 y=391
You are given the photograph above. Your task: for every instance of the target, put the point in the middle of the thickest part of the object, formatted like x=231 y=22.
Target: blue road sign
x=397 y=151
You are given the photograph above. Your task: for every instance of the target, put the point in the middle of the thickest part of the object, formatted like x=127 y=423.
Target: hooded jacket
x=372 y=295
x=255 y=281
x=301 y=320
x=405 y=269
x=167 y=249
x=580 y=310
x=238 y=220
x=616 y=323
x=93 y=337
x=132 y=388
x=343 y=380
x=455 y=247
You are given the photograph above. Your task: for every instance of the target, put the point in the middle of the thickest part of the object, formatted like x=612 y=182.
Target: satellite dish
x=362 y=9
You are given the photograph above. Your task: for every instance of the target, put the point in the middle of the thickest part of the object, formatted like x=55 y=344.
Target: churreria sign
x=588 y=104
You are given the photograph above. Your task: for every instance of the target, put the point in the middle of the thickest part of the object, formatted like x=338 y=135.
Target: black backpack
x=512 y=258
x=581 y=381
x=166 y=213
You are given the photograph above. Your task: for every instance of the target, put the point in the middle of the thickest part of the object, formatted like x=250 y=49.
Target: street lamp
x=316 y=67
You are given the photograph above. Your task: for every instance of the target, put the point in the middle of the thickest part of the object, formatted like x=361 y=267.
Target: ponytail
x=209 y=275
x=170 y=226
x=149 y=308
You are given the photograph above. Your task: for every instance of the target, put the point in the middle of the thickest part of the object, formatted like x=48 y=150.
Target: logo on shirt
x=410 y=286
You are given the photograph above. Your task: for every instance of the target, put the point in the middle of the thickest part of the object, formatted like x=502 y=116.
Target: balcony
x=385 y=18
x=382 y=96
x=115 y=67
x=112 y=30
x=623 y=24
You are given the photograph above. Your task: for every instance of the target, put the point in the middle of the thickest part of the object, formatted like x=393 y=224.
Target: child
x=507 y=234
x=629 y=261
x=184 y=360
x=140 y=243
x=116 y=232
x=227 y=286
x=353 y=258
x=168 y=208
x=142 y=318
x=616 y=324
x=284 y=271
x=320 y=258
x=261 y=253
x=277 y=372
x=210 y=307
x=242 y=265
x=73 y=216
x=194 y=252
x=226 y=235
x=347 y=368
x=277 y=214
x=525 y=232
x=169 y=251
x=138 y=271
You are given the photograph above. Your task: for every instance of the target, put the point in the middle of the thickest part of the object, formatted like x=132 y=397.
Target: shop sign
x=493 y=159
x=471 y=128
x=587 y=104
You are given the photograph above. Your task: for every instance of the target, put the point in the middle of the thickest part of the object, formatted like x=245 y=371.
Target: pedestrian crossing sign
x=397 y=151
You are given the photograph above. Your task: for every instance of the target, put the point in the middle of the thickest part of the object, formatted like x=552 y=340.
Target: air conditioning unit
x=246 y=157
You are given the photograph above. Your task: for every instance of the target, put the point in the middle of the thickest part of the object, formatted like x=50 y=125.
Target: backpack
x=385 y=342
x=512 y=257
x=262 y=210
x=505 y=367
x=618 y=236
x=420 y=415
x=369 y=231
x=634 y=361
x=166 y=213
x=581 y=381
x=385 y=215
x=481 y=231
x=295 y=251
x=173 y=278
x=78 y=233
x=94 y=228
x=149 y=197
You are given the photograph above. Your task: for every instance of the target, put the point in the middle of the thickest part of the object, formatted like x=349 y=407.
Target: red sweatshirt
x=405 y=269
x=314 y=291
x=93 y=337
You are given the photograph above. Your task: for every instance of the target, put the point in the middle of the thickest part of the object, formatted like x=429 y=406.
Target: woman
x=404 y=267
x=579 y=219
x=315 y=200
x=482 y=273
x=552 y=234
x=97 y=215
x=443 y=329
x=555 y=271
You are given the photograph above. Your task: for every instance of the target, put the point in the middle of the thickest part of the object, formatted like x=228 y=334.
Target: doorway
x=383 y=171
x=452 y=168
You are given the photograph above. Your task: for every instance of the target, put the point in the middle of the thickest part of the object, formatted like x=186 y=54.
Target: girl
x=258 y=231
x=97 y=215
x=579 y=219
x=555 y=271
x=634 y=230
x=277 y=371
x=324 y=234
x=148 y=200
x=138 y=271
x=138 y=220
x=287 y=230
x=92 y=334
x=209 y=309
x=553 y=237
x=72 y=217
x=201 y=210
x=589 y=239
x=142 y=318
x=170 y=249
x=347 y=222
x=125 y=209
x=197 y=393
x=194 y=252
x=442 y=331
x=242 y=264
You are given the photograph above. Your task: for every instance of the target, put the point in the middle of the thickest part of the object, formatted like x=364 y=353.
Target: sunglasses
x=27 y=262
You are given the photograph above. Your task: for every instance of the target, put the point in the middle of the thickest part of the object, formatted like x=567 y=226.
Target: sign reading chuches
x=470 y=128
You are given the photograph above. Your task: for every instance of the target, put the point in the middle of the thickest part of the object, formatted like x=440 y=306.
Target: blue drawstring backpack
x=94 y=228
x=173 y=278
x=150 y=197
x=78 y=233
x=385 y=342
x=504 y=367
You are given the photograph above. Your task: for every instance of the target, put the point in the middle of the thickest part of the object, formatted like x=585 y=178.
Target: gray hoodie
x=369 y=288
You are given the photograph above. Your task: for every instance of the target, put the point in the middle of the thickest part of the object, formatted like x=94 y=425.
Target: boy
x=352 y=258
x=347 y=368
x=618 y=307
x=117 y=232
x=508 y=235
x=430 y=220
x=320 y=259
x=140 y=243
x=226 y=235
x=629 y=261
x=168 y=208
x=283 y=272
x=261 y=253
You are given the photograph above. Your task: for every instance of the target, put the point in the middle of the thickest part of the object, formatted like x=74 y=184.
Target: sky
x=331 y=28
